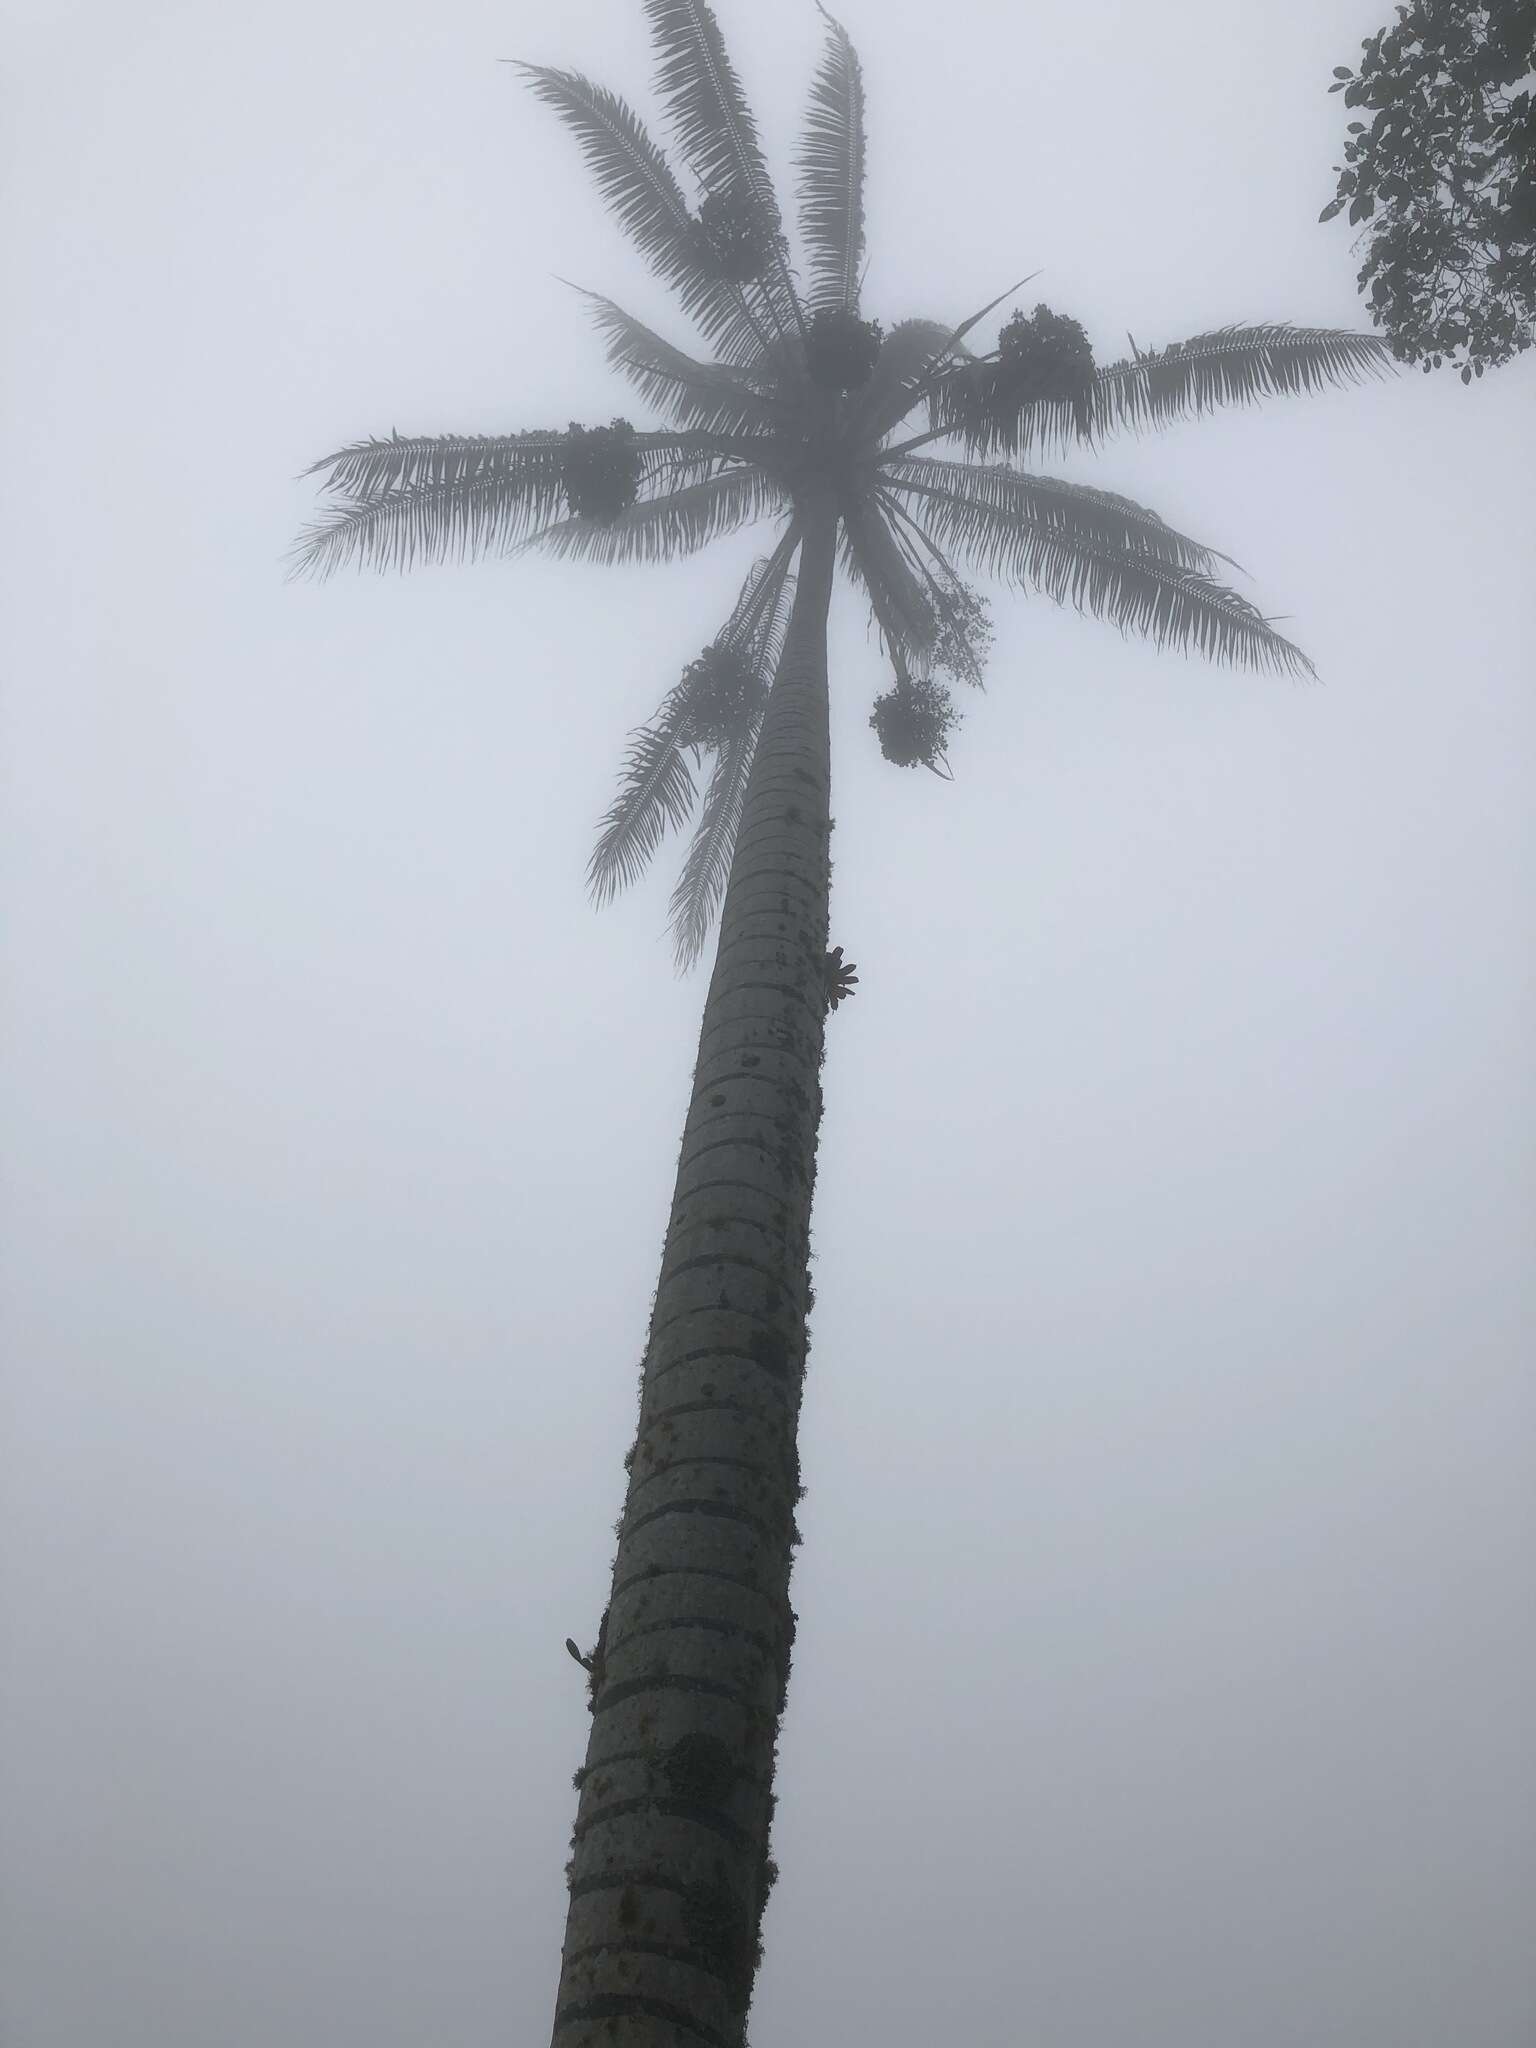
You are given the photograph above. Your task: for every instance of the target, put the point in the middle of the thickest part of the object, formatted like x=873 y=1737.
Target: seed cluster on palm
x=913 y=720
x=600 y=471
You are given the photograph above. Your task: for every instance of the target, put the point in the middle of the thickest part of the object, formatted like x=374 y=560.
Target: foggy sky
x=1164 y=1673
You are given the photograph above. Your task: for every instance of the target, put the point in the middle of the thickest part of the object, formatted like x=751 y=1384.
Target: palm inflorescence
x=915 y=431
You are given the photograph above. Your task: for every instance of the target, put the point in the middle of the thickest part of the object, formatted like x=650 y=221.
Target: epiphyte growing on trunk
x=592 y=1663
x=840 y=977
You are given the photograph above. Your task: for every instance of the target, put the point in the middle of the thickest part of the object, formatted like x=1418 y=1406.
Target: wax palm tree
x=807 y=415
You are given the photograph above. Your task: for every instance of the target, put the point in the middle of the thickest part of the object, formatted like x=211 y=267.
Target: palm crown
x=801 y=394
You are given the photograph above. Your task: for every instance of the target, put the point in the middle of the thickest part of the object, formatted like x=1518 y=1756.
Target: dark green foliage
x=1443 y=173
x=841 y=349
x=738 y=240
x=600 y=471
x=723 y=697
x=913 y=722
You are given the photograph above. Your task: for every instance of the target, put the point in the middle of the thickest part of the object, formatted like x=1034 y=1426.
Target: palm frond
x=640 y=188
x=424 y=523
x=831 y=165
x=895 y=384
x=991 y=306
x=1231 y=366
x=715 y=128
x=1130 y=585
x=709 y=396
x=1011 y=497
x=768 y=651
x=531 y=461
x=366 y=469
x=656 y=793
x=443 y=497
x=756 y=629
x=953 y=357
x=875 y=559
x=708 y=865
x=757 y=624
x=656 y=789
x=954 y=342
x=667 y=528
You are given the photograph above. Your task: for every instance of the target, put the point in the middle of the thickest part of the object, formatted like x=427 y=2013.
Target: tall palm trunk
x=671 y=1867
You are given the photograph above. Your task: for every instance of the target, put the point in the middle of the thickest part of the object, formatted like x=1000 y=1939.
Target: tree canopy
x=799 y=401
x=1443 y=171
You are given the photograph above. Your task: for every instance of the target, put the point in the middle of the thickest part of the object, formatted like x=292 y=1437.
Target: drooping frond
x=1006 y=499
x=443 y=497
x=638 y=184
x=1231 y=366
x=780 y=602
x=367 y=469
x=708 y=865
x=757 y=625
x=656 y=789
x=400 y=529
x=665 y=529
x=705 y=395
x=875 y=559
x=715 y=128
x=656 y=793
x=756 y=629
x=831 y=165
x=896 y=381
x=1130 y=585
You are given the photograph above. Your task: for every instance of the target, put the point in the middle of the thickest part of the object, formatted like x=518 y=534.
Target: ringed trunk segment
x=670 y=1869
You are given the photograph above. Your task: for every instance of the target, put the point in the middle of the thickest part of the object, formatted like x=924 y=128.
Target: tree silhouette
x=1444 y=176
x=807 y=414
